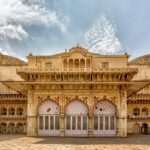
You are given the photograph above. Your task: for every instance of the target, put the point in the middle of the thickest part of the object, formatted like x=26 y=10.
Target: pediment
x=78 y=52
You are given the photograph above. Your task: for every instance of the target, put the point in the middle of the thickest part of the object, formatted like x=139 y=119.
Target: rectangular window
x=48 y=66
x=73 y=122
x=68 y=120
x=41 y=122
x=101 y=122
x=112 y=123
x=105 y=65
x=106 y=122
x=57 y=123
x=46 y=122
x=95 y=122
x=84 y=122
x=79 y=122
x=51 y=122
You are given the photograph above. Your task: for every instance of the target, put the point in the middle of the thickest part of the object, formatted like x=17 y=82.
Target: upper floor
x=77 y=58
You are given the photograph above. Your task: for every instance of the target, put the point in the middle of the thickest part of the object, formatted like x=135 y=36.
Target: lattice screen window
x=105 y=108
x=76 y=107
x=49 y=107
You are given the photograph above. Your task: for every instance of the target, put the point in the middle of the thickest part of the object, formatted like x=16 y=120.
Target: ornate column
x=31 y=115
x=123 y=113
x=62 y=122
x=90 y=124
x=62 y=115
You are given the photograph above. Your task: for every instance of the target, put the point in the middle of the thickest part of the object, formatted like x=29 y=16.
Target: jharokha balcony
x=139 y=117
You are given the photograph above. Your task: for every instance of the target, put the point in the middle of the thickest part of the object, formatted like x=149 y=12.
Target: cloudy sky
x=51 y=26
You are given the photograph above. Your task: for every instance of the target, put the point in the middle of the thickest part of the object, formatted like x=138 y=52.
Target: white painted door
x=104 y=120
x=76 y=120
x=49 y=119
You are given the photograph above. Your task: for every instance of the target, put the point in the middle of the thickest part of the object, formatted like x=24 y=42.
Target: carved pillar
x=62 y=122
x=31 y=115
x=62 y=115
x=123 y=113
x=90 y=124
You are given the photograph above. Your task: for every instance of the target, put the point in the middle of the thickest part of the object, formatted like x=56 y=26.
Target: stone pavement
x=22 y=142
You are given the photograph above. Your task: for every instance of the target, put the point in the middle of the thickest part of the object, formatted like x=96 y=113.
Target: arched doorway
x=76 y=120
x=49 y=119
x=11 y=128
x=144 y=128
x=3 y=127
x=20 y=128
x=136 y=128
x=104 y=119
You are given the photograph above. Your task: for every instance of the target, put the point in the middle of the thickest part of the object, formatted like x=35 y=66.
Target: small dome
x=142 y=60
x=9 y=60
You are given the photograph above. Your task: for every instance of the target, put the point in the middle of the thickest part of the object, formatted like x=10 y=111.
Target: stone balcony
x=77 y=74
x=36 y=70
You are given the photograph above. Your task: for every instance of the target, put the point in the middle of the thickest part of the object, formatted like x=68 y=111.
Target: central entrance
x=76 y=120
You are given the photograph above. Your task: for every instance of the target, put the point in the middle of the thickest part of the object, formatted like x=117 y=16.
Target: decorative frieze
x=105 y=98
x=71 y=98
x=45 y=98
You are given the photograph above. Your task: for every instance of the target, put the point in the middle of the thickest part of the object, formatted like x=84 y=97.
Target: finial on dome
x=30 y=55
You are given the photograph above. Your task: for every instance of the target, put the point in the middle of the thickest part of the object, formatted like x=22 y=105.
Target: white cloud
x=3 y=51
x=101 y=37
x=17 y=14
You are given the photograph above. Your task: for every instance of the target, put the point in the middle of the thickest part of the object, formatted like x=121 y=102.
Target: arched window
x=3 y=111
x=70 y=63
x=65 y=63
x=76 y=63
x=19 y=111
x=11 y=111
x=82 y=63
x=88 y=63
x=144 y=111
x=136 y=111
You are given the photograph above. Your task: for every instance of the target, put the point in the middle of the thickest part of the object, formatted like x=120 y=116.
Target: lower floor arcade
x=76 y=119
x=12 y=127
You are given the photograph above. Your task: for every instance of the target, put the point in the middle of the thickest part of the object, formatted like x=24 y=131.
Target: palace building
x=75 y=93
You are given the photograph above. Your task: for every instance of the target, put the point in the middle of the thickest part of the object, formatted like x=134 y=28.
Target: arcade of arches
x=76 y=119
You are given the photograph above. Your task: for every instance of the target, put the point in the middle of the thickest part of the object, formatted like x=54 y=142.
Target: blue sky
x=51 y=26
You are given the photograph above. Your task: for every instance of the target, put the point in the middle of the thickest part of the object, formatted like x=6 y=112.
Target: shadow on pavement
x=131 y=139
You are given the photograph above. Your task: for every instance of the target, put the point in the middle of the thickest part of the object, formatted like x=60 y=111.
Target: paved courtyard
x=21 y=142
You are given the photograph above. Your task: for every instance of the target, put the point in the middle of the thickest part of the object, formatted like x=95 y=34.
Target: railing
x=13 y=116
x=12 y=96
x=139 y=116
x=28 y=69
